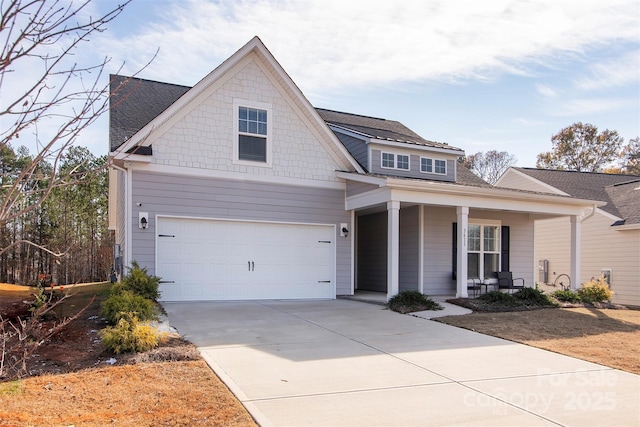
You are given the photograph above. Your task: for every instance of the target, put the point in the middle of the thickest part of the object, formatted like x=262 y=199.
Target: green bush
x=595 y=291
x=125 y=302
x=129 y=335
x=410 y=301
x=498 y=297
x=567 y=296
x=531 y=296
x=140 y=282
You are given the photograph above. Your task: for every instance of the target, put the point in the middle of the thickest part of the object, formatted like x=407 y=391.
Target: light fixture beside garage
x=142 y=220
x=344 y=231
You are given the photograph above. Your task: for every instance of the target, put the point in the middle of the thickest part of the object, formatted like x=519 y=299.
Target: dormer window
x=436 y=166
x=395 y=161
x=253 y=145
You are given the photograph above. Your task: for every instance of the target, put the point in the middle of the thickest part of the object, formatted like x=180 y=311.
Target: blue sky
x=479 y=75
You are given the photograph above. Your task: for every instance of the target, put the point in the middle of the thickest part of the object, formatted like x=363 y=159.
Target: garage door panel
x=232 y=260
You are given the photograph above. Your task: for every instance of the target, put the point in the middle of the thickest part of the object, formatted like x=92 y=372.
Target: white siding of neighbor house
x=519 y=181
x=204 y=138
x=602 y=248
x=553 y=243
x=438 y=241
x=161 y=194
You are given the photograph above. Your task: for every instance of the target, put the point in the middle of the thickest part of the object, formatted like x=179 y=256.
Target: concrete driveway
x=348 y=363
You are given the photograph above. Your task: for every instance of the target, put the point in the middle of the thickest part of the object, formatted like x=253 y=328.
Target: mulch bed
x=479 y=305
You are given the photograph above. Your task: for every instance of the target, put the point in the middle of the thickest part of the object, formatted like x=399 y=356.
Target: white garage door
x=235 y=260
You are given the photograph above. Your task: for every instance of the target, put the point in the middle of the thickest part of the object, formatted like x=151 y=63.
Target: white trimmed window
x=395 y=161
x=483 y=255
x=429 y=165
x=252 y=126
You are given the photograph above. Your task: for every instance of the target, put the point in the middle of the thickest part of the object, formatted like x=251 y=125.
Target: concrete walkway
x=348 y=363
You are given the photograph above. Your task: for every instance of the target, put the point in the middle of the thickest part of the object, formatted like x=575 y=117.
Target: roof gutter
x=593 y=212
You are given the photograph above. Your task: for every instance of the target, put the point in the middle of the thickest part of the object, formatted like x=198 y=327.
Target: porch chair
x=473 y=286
x=506 y=281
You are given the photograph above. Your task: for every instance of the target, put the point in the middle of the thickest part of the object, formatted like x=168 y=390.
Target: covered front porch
x=434 y=237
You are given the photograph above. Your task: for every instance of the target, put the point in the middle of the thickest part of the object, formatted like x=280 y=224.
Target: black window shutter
x=454 y=259
x=504 y=230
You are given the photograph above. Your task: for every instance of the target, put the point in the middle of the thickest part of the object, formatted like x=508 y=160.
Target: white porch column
x=461 y=255
x=421 y=249
x=393 y=248
x=576 y=238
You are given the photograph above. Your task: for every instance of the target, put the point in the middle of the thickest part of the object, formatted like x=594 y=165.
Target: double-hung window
x=429 y=165
x=252 y=134
x=252 y=129
x=395 y=161
x=483 y=255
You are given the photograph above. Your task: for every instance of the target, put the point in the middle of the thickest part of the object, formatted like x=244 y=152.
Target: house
x=238 y=188
x=610 y=241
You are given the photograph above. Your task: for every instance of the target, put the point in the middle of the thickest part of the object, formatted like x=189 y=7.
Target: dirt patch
x=73 y=380
x=605 y=336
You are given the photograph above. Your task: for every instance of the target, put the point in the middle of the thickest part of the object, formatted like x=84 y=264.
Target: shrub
x=498 y=297
x=531 y=296
x=140 y=282
x=123 y=303
x=410 y=301
x=129 y=335
x=567 y=296
x=595 y=290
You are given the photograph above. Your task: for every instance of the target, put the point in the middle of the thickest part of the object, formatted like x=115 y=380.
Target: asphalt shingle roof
x=615 y=189
x=134 y=103
x=626 y=197
x=388 y=130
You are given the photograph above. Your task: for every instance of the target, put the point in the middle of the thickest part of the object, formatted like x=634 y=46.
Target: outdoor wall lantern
x=344 y=231
x=143 y=221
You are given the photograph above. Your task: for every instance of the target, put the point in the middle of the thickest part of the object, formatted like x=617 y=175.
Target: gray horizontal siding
x=372 y=252
x=355 y=146
x=161 y=194
x=414 y=166
x=354 y=187
x=409 y=248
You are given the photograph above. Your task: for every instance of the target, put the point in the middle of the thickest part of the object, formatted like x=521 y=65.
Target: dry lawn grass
x=148 y=394
x=604 y=336
x=181 y=393
x=75 y=386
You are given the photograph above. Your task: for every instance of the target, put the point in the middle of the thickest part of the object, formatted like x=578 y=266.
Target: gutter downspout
x=128 y=213
x=593 y=212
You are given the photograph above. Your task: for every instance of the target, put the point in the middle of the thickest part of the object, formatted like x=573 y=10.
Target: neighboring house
x=610 y=241
x=238 y=188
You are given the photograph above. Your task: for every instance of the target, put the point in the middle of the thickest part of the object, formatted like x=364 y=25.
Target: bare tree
x=42 y=36
x=490 y=165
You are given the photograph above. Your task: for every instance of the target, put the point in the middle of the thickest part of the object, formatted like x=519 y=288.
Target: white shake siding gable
x=204 y=138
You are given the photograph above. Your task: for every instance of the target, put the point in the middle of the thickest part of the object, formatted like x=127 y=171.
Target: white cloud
x=584 y=106
x=611 y=73
x=336 y=43
x=546 y=91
